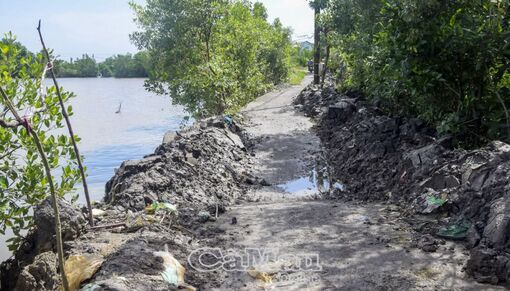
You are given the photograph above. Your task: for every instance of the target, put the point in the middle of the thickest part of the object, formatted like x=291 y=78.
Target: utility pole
x=317 y=46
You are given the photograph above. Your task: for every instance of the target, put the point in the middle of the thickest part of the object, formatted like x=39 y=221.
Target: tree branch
x=16 y=123
x=9 y=124
x=56 y=212
x=69 y=128
x=9 y=152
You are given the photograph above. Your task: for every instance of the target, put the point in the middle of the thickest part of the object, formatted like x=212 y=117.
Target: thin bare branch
x=107 y=226
x=69 y=127
x=9 y=152
x=9 y=124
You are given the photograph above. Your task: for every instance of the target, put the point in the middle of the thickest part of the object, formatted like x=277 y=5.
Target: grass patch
x=296 y=75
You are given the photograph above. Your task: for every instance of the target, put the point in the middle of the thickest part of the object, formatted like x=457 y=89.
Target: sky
x=102 y=27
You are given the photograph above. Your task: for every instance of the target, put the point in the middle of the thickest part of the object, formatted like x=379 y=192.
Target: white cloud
x=293 y=13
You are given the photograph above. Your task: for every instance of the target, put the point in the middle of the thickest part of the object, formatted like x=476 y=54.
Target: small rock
x=473 y=237
x=488 y=266
x=234 y=220
x=263 y=182
x=341 y=111
x=427 y=243
x=71 y=219
x=384 y=239
x=496 y=230
x=41 y=274
x=203 y=216
x=170 y=137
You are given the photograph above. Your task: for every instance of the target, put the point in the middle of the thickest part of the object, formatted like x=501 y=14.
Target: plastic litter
x=80 y=268
x=455 y=231
x=174 y=271
x=98 y=212
x=438 y=201
x=228 y=119
x=339 y=186
x=139 y=220
x=259 y=275
x=432 y=203
x=161 y=206
x=91 y=287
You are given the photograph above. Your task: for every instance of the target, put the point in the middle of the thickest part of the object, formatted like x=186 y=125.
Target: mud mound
x=313 y=101
x=34 y=261
x=201 y=166
x=154 y=210
x=377 y=157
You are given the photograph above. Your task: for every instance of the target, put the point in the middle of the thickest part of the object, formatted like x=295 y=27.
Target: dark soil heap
x=447 y=192
x=197 y=171
x=201 y=167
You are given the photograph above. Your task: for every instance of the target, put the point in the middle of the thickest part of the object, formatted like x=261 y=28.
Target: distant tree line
x=119 y=66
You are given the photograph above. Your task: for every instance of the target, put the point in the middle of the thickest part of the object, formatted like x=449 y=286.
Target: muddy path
x=307 y=243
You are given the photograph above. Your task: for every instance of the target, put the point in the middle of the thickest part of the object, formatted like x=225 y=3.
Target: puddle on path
x=317 y=182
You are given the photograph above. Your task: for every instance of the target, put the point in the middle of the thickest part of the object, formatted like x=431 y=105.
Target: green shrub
x=23 y=183
x=214 y=56
x=444 y=61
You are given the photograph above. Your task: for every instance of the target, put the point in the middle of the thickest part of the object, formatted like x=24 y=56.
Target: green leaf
x=4 y=183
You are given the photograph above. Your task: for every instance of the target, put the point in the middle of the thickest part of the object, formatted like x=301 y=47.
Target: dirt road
x=312 y=244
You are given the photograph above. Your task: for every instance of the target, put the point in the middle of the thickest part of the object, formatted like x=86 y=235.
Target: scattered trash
x=228 y=119
x=98 y=212
x=455 y=231
x=79 y=268
x=164 y=206
x=339 y=186
x=430 y=201
x=135 y=221
x=91 y=287
x=174 y=271
x=438 y=201
x=259 y=275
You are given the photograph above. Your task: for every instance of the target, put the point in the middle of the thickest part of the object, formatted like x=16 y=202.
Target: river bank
x=154 y=204
x=107 y=138
x=317 y=199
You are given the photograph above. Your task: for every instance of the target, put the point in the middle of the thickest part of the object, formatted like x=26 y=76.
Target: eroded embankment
x=446 y=192
x=159 y=202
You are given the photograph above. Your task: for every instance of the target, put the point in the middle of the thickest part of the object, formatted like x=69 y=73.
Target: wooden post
x=317 y=46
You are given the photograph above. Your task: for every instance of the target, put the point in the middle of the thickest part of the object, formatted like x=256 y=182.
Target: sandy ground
x=313 y=244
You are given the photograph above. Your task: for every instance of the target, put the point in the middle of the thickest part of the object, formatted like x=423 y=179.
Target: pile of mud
x=449 y=193
x=201 y=167
x=153 y=212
